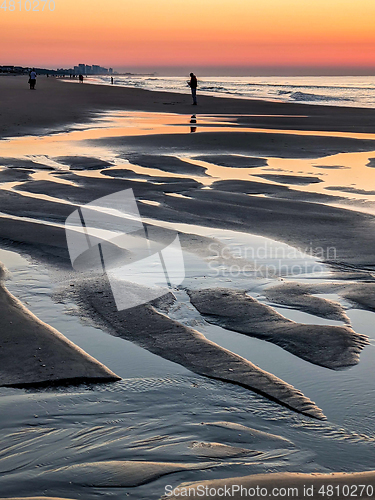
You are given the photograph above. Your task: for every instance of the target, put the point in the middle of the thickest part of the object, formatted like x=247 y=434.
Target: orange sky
x=121 y=33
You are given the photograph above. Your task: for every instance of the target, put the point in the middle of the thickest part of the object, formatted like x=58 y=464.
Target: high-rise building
x=95 y=69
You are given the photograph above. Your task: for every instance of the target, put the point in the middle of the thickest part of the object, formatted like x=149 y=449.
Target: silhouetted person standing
x=32 y=79
x=112 y=80
x=193 y=84
x=80 y=78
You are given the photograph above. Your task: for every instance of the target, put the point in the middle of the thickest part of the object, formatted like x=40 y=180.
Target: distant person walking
x=112 y=80
x=32 y=79
x=80 y=78
x=193 y=84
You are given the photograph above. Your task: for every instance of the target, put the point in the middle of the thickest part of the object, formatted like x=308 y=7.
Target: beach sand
x=33 y=353
x=56 y=103
x=65 y=145
x=294 y=485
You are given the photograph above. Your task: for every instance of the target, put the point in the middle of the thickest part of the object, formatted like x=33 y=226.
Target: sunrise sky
x=153 y=33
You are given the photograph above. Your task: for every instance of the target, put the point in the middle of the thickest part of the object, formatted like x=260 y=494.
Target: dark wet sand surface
x=245 y=405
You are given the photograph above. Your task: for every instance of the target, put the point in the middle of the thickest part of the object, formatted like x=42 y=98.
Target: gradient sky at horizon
x=121 y=34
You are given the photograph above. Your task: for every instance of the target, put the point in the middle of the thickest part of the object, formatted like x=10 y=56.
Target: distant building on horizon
x=83 y=69
x=95 y=69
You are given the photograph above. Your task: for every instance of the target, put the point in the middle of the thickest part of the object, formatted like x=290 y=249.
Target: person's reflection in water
x=193 y=119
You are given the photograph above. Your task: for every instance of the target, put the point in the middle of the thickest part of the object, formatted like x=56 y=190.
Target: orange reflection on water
x=354 y=180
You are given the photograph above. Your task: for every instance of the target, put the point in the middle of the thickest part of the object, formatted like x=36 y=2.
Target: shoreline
x=58 y=104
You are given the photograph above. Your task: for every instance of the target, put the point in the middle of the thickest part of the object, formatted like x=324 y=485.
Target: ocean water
x=329 y=90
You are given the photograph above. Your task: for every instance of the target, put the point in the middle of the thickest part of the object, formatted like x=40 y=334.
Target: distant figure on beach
x=193 y=84
x=80 y=78
x=112 y=80
x=32 y=79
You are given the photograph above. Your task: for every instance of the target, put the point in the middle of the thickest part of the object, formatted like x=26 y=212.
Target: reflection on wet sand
x=49 y=152
x=193 y=120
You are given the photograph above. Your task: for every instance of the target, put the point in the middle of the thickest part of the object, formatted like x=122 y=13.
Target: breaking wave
x=344 y=91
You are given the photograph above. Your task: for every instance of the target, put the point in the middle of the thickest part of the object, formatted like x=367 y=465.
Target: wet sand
x=195 y=182
x=32 y=353
x=302 y=296
x=334 y=347
x=227 y=204
x=186 y=346
x=300 y=486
